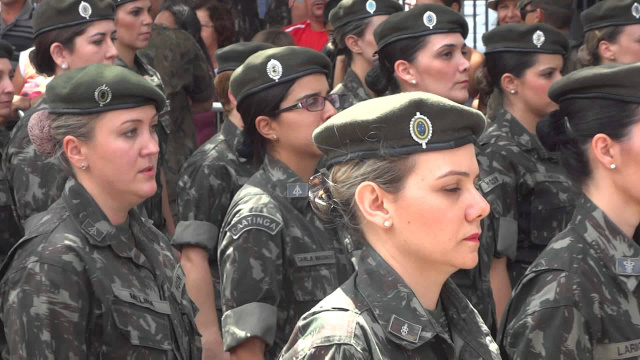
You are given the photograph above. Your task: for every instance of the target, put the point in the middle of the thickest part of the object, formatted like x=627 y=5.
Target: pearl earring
x=64 y=66
x=414 y=82
x=274 y=137
x=387 y=223
x=612 y=166
x=512 y=91
x=83 y=166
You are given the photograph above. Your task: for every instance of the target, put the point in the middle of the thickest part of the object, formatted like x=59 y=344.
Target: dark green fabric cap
x=610 y=81
x=122 y=2
x=58 y=14
x=231 y=57
x=535 y=38
x=422 y=20
x=6 y=50
x=611 y=13
x=353 y=10
x=99 y=88
x=271 y=67
x=400 y=124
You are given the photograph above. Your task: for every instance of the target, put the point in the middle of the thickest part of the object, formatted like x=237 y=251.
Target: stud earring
x=387 y=223
x=64 y=66
x=413 y=82
x=83 y=166
x=512 y=91
x=274 y=137
x=612 y=166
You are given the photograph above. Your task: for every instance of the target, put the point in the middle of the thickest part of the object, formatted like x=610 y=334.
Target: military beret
x=57 y=14
x=6 y=50
x=271 y=67
x=99 y=88
x=353 y=10
x=422 y=20
x=231 y=57
x=609 y=81
x=122 y=2
x=535 y=38
x=400 y=124
x=611 y=13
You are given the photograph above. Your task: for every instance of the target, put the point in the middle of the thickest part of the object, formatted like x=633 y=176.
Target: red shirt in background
x=304 y=36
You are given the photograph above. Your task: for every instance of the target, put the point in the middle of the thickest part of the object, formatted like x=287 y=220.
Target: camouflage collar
x=232 y=135
x=508 y=125
x=287 y=183
x=619 y=252
x=353 y=84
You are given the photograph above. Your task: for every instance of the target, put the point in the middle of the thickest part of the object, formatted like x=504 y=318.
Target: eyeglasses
x=210 y=26
x=312 y=103
x=524 y=12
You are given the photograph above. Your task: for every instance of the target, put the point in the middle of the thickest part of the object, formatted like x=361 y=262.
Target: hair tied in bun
x=40 y=133
x=567 y=127
x=320 y=196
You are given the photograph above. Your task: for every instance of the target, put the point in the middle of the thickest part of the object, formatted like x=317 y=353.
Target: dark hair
x=450 y=3
x=585 y=118
x=557 y=13
x=499 y=63
x=254 y=145
x=381 y=77
x=589 y=53
x=221 y=85
x=41 y=57
x=222 y=19
x=187 y=20
x=275 y=37
x=355 y=28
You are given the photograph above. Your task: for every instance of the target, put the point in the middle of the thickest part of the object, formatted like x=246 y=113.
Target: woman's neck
x=126 y=53
x=112 y=206
x=361 y=67
x=523 y=115
x=304 y=166
x=618 y=206
x=236 y=119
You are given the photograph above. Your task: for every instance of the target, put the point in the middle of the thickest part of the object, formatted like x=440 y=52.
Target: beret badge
x=421 y=129
x=102 y=95
x=85 y=10
x=635 y=10
x=371 y=6
x=274 y=69
x=538 y=38
x=430 y=19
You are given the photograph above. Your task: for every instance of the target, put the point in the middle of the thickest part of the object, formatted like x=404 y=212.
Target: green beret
x=353 y=10
x=611 y=13
x=422 y=20
x=610 y=81
x=6 y=50
x=58 y=14
x=99 y=88
x=400 y=124
x=535 y=38
x=271 y=67
x=122 y=2
x=231 y=57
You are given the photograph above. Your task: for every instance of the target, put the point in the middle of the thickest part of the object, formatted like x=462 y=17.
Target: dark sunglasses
x=312 y=103
x=524 y=12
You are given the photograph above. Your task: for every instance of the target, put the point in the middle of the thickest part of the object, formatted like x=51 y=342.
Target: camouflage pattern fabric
x=376 y=316
x=182 y=65
x=351 y=90
x=10 y=231
x=208 y=182
x=77 y=287
x=579 y=299
x=277 y=260
x=531 y=198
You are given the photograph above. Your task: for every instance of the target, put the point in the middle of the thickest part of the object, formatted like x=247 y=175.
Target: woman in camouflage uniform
x=403 y=172
x=277 y=259
x=580 y=299
x=353 y=24
x=92 y=279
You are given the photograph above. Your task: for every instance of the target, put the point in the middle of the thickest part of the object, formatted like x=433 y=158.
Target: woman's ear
x=605 y=150
x=353 y=43
x=267 y=127
x=607 y=50
x=75 y=151
x=405 y=71
x=59 y=54
x=372 y=202
x=509 y=83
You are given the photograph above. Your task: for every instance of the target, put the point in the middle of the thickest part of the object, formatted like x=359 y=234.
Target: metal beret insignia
x=371 y=6
x=635 y=10
x=274 y=69
x=102 y=95
x=538 y=38
x=421 y=129
x=85 y=10
x=430 y=19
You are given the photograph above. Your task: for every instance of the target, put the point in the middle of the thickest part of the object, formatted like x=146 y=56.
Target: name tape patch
x=623 y=350
x=142 y=300
x=490 y=182
x=257 y=221
x=315 y=258
x=539 y=177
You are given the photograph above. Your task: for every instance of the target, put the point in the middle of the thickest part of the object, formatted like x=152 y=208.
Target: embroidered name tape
x=142 y=300
x=490 y=182
x=315 y=258
x=623 y=350
x=257 y=221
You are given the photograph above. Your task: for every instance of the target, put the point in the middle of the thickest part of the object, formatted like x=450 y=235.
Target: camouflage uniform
x=77 y=287
x=176 y=56
x=277 y=260
x=531 y=198
x=351 y=90
x=153 y=205
x=208 y=182
x=10 y=231
x=375 y=315
x=579 y=299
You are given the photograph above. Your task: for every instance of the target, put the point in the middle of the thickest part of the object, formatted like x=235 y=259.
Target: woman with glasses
x=277 y=259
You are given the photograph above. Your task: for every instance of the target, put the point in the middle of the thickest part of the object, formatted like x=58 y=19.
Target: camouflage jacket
x=580 y=299
x=376 y=316
x=351 y=90
x=277 y=260
x=77 y=287
x=531 y=198
x=10 y=231
x=208 y=182
x=184 y=70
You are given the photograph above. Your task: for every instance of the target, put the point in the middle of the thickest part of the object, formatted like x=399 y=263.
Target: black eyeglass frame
x=524 y=12
x=333 y=99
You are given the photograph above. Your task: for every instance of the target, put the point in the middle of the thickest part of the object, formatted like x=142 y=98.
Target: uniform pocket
x=551 y=207
x=314 y=275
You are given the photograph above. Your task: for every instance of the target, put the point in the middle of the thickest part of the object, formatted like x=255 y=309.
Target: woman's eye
x=130 y=133
x=454 y=189
x=154 y=128
x=97 y=42
x=447 y=55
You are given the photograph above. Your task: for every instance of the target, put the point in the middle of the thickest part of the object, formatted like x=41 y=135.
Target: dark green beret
x=6 y=50
x=271 y=67
x=422 y=20
x=400 y=124
x=610 y=81
x=535 y=38
x=99 y=88
x=57 y=14
x=353 y=10
x=611 y=13
x=231 y=57
x=122 y=2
